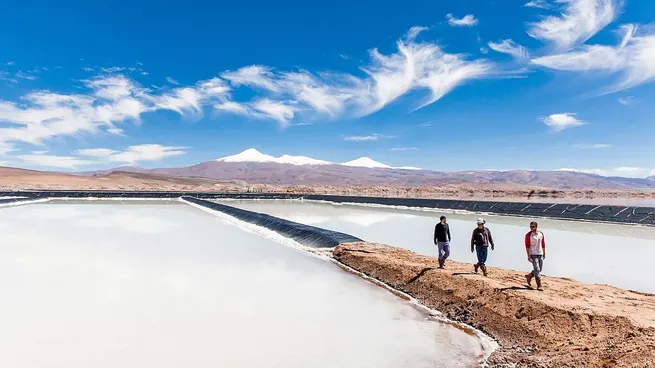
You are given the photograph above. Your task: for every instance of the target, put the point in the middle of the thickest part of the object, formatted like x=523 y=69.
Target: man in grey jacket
x=480 y=241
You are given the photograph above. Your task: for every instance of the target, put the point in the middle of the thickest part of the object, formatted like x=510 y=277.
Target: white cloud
x=23 y=75
x=631 y=62
x=423 y=66
x=282 y=96
x=116 y=131
x=592 y=145
x=112 y=99
x=39 y=158
x=96 y=152
x=6 y=148
x=404 y=149
x=367 y=138
x=467 y=21
x=541 y=4
x=426 y=124
x=133 y=154
x=113 y=69
x=559 y=122
x=484 y=50
x=172 y=81
x=8 y=77
x=144 y=73
x=627 y=100
x=233 y=107
x=414 y=31
x=274 y=110
x=510 y=47
x=87 y=69
x=578 y=22
x=10 y=63
x=253 y=76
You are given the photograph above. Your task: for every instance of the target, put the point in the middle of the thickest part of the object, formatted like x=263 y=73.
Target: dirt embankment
x=569 y=324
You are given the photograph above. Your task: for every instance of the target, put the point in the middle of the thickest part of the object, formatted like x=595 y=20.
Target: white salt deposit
x=103 y=284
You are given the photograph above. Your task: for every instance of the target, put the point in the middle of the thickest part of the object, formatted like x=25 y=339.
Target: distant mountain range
x=254 y=167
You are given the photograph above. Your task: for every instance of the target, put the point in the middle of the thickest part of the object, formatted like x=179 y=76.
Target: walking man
x=442 y=240
x=480 y=241
x=535 y=247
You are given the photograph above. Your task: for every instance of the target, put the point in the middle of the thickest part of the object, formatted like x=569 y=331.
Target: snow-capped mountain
x=372 y=164
x=366 y=162
x=252 y=155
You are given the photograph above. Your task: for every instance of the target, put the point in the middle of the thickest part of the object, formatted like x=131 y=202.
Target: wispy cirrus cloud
x=7 y=77
x=172 y=81
x=112 y=69
x=625 y=101
x=509 y=47
x=111 y=100
x=592 y=146
x=541 y=4
x=630 y=63
x=404 y=149
x=133 y=154
x=41 y=158
x=367 y=138
x=578 y=21
x=562 y=121
x=415 y=65
x=468 y=20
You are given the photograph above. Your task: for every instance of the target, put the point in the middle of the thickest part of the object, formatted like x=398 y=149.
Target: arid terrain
x=21 y=179
x=568 y=324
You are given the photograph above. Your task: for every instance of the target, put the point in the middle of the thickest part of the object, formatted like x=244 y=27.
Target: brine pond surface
x=145 y=284
x=618 y=255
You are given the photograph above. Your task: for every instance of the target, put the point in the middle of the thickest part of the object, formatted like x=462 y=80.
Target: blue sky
x=441 y=85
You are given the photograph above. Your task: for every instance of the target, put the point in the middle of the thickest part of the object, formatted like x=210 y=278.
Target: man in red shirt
x=535 y=248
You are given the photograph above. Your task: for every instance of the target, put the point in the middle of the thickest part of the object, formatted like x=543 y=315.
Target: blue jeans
x=482 y=254
x=537 y=265
x=444 y=250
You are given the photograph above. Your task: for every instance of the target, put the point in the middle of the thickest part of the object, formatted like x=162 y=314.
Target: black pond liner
x=306 y=235
x=584 y=212
x=14 y=200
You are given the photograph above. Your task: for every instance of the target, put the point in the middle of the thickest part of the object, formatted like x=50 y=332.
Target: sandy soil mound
x=569 y=324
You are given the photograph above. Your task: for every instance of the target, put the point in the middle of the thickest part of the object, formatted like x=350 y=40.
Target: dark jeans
x=482 y=254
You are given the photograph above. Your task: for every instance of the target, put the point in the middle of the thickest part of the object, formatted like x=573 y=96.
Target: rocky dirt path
x=568 y=324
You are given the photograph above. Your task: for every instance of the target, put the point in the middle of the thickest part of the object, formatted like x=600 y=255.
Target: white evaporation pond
x=167 y=285
x=618 y=255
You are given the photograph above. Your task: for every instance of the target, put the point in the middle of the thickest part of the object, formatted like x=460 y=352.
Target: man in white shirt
x=535 y=247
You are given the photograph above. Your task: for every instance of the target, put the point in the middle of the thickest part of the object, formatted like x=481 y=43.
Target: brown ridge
x=568 y=324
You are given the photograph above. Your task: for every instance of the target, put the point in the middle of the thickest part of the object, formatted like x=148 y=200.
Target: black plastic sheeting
x=14 y=200
x=142 y=194
x=612 y=214
x=306 y=235
x=616 y=214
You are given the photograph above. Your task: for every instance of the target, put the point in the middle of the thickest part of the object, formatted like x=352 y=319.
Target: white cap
x=480 y=221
